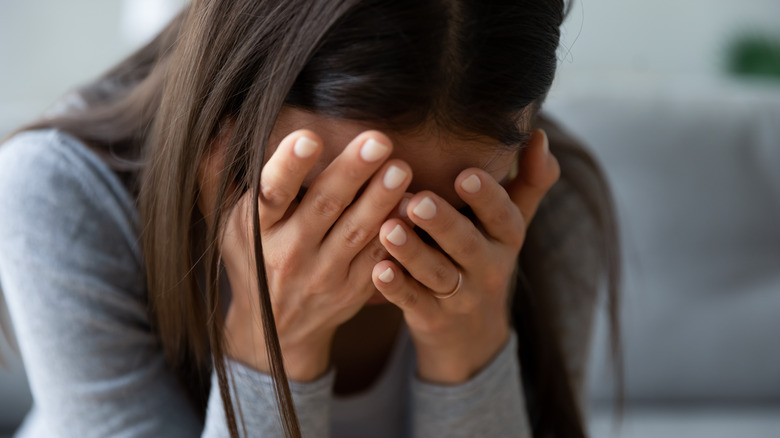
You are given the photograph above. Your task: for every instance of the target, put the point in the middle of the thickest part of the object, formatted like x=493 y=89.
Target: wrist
x=307 y=363
x=301 y=363
x=246 y=341
x=459 y=363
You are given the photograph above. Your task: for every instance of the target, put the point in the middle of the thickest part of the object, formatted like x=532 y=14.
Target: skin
x=331 y=253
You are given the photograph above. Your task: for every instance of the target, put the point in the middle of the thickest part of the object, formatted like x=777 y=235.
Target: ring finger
x=427 y=265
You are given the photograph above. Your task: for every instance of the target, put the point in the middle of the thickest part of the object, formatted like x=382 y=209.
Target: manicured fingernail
x=387 y=276
x=398 y=236
x=471 y=184
x=426 y=209
x=394 y=177
x=373 y=150
x=402 y=206
x=304 y=147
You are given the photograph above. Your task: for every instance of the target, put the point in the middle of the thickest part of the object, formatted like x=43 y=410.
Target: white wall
x=660 y=36
x=48 y=46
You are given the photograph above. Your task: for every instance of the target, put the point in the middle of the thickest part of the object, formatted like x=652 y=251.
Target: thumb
x=538 y=170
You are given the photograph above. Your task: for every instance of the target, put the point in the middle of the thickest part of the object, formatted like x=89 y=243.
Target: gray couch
x=695 y=166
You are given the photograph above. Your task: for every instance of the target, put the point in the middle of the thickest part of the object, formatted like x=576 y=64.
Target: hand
x=318 y=252
x=456 y=337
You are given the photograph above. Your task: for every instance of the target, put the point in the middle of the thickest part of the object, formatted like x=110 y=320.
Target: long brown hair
x=472 y=67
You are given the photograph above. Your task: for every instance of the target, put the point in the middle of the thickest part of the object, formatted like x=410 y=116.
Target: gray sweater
x=72 y=274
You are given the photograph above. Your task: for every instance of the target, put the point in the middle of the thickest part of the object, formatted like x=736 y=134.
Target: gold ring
x=454 y=291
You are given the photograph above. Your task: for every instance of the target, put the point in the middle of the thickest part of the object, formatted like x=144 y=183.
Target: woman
x=305 y=218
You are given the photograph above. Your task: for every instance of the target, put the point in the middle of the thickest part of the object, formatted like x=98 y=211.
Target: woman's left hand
x=458 y=336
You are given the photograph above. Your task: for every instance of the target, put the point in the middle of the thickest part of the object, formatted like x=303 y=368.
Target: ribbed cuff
x=490 y=404
x=254 y=391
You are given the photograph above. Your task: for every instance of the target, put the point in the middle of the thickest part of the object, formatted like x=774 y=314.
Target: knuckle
x=326 y=205
x=469 y=245
x=351 y=170
x=501 y=215
x=354 y=173
x=275 y=194
x=377 y=252
x=355 y=235
x=408 y=300
x=439 y=274
x=445 y=222
x=269 y=178
x=380 y=203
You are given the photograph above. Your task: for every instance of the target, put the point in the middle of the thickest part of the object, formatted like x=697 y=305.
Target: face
x=436 y=159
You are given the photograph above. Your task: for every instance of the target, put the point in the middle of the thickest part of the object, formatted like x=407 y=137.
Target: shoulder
x=59 y=193
x=73 y=280
x=34 y=159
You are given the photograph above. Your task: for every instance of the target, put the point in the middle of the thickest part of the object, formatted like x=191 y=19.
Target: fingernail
x=546 y=142
x=394 y=177
x=402 y=206
x=373 y=150
x=387 y=276
x=471 y=184
x=426 y=209
x=398 y=236
x=304 y=147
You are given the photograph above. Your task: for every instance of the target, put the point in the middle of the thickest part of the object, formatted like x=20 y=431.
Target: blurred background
x=678 y=99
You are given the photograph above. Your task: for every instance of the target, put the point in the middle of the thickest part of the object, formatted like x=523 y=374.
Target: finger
x=361 y=221
x=375 y=251
x=457 y=236
x=335 y=188
x=400 y=211
x=403 y=291
x=361 y=266
x=497 y=214
x=538 y=171
x=283 y=174
x=429 y=266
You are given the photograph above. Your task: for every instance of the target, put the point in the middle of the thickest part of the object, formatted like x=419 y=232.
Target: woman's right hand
x=319 y=252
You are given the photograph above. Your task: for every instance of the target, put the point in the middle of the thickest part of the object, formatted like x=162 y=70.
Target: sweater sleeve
x=72 y=275
x=72 y=278
x=491 y=404
x=254 y=392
